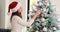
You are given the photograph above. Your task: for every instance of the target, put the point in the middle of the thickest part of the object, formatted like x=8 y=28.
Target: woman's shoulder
x=16 y=17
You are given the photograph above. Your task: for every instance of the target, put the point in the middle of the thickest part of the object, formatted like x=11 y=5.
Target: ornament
x=45 y=29
x=54 y=28
x=42 y=19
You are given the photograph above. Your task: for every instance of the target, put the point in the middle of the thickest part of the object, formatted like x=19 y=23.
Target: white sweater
x=18 y=24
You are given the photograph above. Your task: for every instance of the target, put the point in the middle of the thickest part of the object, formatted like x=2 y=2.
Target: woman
x=16 y=18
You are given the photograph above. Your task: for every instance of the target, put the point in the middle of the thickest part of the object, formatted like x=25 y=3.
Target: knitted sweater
x=18 y=24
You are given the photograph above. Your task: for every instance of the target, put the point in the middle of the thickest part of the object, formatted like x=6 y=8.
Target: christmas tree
x=45 y=21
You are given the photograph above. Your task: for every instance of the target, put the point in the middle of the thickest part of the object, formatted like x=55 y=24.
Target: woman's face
x=20 y=10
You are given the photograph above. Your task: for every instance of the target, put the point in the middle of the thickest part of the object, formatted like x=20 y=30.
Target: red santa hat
x=13 y=7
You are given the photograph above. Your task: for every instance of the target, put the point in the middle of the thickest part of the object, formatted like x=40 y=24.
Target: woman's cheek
x=21 y=9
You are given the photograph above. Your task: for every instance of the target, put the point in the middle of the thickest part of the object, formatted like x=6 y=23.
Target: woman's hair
x=16 y=13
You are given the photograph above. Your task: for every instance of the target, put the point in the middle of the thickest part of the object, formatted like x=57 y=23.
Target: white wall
x=2 y=13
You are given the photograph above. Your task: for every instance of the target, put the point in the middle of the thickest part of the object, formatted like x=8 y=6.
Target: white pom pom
x=54 y=28
x=34 y=8
x=44 y=29
x=40 y=3
x=42 y=19
x=44 y=9
x=37 y=31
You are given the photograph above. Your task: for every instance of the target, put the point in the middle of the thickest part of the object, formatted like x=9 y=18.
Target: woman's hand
x=36 y=14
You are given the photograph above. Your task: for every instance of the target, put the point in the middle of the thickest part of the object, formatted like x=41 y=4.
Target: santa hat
x=13 y=6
